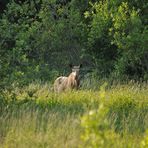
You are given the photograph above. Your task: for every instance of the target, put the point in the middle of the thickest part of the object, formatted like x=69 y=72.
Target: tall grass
x=34 y=116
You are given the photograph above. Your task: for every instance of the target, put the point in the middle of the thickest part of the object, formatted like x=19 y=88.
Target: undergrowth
x=34 y=116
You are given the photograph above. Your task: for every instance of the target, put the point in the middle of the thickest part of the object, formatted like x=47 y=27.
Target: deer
x=71 y=82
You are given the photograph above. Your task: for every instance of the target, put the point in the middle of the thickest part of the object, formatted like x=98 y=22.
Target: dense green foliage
x=39 y=38
x=33 y=116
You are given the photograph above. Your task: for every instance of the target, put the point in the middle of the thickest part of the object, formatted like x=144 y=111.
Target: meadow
x=108 y=116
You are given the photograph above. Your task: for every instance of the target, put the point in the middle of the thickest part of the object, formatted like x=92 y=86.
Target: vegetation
x=35 y=117
x=38 y=40
x=119 y=121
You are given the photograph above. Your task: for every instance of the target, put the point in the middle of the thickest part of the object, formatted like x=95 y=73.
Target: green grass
x=34 y=116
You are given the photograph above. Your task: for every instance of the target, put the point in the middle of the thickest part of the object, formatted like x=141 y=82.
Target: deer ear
x=70 y=65
x=80 y=65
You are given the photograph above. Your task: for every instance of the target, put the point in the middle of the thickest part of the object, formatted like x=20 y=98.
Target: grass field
x=35 y=117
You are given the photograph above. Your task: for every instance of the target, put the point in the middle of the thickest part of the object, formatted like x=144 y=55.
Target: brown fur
x=67 y=83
